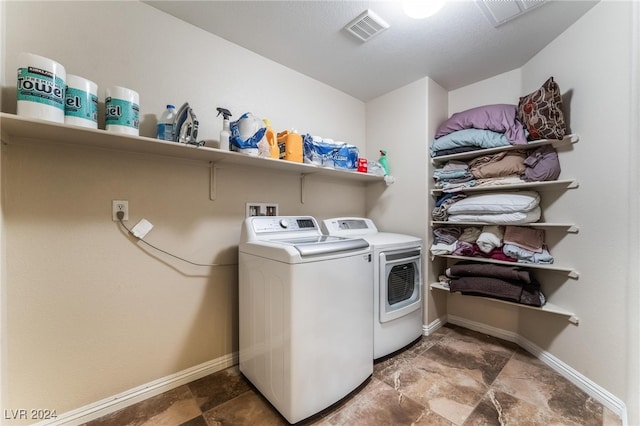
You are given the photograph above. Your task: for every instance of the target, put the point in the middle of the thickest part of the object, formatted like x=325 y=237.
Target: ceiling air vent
x=499 y=12
x=367 y=25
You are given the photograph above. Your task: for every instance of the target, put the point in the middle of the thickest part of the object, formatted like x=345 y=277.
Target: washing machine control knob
x=283 y=223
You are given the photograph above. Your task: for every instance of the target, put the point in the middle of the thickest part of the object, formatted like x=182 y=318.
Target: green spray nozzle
x=225 y=113
x=383 y=161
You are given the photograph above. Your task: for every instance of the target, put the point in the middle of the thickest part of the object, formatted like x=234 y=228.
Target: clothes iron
x=186 y=126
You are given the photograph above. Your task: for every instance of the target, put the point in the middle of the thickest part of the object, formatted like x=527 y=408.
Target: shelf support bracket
x=213 y=171
x=302 y=177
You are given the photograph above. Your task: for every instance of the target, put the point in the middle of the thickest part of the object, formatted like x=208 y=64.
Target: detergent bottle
x=225 y=133
x=290 y=146
x=272 y=140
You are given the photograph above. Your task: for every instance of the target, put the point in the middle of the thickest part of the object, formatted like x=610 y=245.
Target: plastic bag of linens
x=327 y=153
x=246 y=133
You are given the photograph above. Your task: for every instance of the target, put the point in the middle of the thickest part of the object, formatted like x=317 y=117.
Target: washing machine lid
x=365 y=228
x=305 y=249
x=294 y=239
x=390 y=239
x=313 y=246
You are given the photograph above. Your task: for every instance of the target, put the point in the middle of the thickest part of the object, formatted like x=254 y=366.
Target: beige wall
x=596 y=90
x=504 y=88
x=3 y=268
x=396 y=122
x=596 y=85
x=90 y=313
x=435 y=302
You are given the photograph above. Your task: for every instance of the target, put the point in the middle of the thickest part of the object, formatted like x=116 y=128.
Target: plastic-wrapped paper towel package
x=41 y=88
x=122 y=110
x=327 y=153
x=45 y=91
x=81 y=102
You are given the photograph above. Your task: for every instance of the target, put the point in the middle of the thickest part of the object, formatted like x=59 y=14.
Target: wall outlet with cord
x=120 y=206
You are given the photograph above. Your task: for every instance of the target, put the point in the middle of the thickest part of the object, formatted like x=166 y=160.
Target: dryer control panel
x=349 y=226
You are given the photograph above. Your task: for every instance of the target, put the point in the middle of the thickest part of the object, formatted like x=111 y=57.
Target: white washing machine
x=397 y=265
x=306 y=338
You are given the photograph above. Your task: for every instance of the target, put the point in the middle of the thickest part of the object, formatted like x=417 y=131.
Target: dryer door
x=401 y=281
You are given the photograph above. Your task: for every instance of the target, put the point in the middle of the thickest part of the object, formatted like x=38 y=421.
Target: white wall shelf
x=556 y=143
x=549 y=185
x=556 y=185
x=571 y=273
x=539 y=186
x=570 y=228
x=15 y=128
x=548 y=307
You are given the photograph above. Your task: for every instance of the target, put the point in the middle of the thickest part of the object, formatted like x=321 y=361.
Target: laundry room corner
x=400 y=122
x=138 y=279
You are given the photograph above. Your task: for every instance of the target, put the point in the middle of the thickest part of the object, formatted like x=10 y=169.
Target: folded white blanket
x=502 y=219
x=442 y=249
x=490 y=238
x=495 y=203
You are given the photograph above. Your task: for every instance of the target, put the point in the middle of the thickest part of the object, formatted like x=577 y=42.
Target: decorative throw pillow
x=540 y=112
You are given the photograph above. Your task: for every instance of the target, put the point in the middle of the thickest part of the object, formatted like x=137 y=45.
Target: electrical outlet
x=262 y=209
x=120 y=206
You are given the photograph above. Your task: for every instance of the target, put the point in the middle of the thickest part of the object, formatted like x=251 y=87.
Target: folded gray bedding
x=512 y=291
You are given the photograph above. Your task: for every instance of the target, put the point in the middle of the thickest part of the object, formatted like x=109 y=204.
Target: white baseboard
x=429 y=329
x=484 y=328
x=140 y=393
x=591 y=388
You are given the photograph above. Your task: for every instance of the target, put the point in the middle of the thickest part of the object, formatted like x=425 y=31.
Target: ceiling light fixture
x=422 y=9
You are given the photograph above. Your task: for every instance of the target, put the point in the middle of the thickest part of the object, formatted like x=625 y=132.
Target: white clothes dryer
x=397 y=282
x=305 y=307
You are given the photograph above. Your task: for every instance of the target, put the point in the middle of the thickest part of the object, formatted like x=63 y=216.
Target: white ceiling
x=456 y=47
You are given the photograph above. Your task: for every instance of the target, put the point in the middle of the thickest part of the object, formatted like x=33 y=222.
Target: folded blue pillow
x=469 y=137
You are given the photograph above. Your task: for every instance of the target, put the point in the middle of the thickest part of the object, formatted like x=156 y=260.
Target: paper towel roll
x=81 y=102
x=122 y=110
x=41 y=88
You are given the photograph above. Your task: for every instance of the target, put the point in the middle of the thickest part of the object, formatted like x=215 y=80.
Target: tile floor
x=454 y=377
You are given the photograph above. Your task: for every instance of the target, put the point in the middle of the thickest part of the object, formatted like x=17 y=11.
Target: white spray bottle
x=225 y=133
